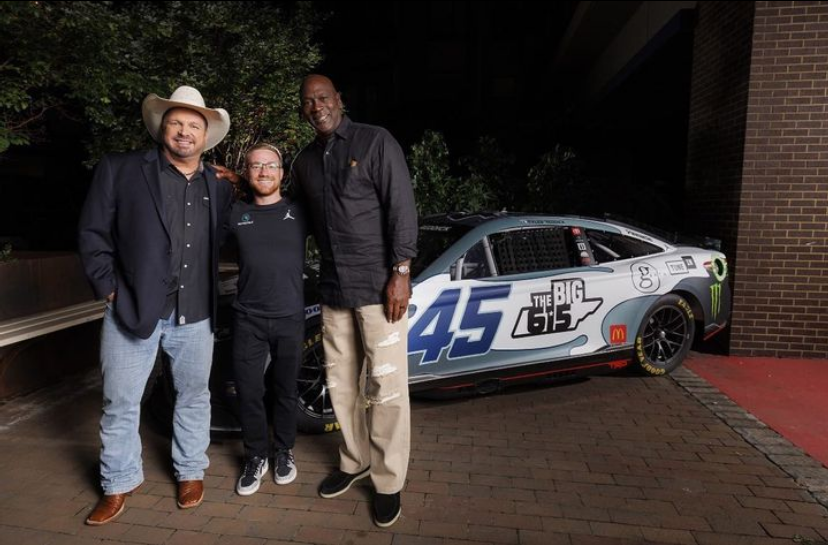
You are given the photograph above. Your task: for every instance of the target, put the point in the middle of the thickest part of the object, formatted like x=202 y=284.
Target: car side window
x=608 y=246
x=531 y=250
x=474 y=264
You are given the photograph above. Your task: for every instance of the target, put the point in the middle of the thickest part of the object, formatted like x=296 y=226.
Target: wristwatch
x=401 y=270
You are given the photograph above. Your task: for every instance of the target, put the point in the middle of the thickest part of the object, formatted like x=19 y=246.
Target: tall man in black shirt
x=355 y=182
x=148 y=243
x=269 y=316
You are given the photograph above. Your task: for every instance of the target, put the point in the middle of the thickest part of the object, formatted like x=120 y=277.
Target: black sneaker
x=285 y=471
x=387 y=509
x=339 y=482
x=252 y=473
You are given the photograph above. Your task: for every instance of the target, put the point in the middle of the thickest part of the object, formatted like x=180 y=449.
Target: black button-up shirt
x=187 y=211
x=357 y=191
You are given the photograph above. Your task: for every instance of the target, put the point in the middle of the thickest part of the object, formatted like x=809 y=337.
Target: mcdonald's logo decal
x=715 y=300
x=618 y=334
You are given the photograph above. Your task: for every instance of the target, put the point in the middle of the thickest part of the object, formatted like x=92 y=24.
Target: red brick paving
x=608 y=461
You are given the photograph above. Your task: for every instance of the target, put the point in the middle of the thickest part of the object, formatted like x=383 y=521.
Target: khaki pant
x=367 y=369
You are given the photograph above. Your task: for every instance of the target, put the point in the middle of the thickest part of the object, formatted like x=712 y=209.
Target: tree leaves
x=489 y=181
x=95 y=61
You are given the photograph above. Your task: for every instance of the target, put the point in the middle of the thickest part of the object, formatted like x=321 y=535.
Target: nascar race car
x=501 y=299
x=504 y=298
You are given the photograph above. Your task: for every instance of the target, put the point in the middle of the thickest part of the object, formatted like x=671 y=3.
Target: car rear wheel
x=665 y=336
x=316 y=414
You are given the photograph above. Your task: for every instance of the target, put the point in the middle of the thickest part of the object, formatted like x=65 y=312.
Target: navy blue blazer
x=124 y=239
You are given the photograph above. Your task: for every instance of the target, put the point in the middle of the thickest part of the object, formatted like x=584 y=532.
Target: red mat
x=790 y=396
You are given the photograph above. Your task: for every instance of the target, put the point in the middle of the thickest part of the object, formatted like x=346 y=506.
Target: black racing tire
x=665 y=336
x=315 y=412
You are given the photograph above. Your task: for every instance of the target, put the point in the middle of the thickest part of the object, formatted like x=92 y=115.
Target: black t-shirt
x=271 y=242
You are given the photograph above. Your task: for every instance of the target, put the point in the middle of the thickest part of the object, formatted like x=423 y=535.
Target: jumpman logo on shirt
x=288 y=216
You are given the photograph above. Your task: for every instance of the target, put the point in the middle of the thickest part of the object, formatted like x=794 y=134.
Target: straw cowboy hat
x=154 y=108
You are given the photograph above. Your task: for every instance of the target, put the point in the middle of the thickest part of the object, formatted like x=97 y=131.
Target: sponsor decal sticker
x=618 y=333
x=313 y=310
x=677 y=267
x=542 y=222
x=645 y=277
x=691 y=264
x=562 y=308
x=719 y=268
x=639 y=236
x=715 y=300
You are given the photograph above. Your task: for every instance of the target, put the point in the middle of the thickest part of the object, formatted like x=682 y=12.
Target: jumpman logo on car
x=288 y=216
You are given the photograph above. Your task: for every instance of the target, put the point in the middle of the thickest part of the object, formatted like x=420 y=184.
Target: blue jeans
x=126 y=363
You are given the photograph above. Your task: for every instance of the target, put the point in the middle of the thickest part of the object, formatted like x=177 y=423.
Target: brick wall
x=718 y=113
x=781 y=281
x=757 y=167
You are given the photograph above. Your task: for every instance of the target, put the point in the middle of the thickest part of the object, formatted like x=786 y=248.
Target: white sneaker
x=251 y=478
x=285 y=472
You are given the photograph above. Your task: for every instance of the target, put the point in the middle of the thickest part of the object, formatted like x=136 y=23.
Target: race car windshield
x=432 y=241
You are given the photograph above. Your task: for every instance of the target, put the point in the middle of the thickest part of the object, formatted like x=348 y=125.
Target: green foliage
x=96 y=61
x=489 y=180
x=6 y=254
x=436 y=189
x=556 y=183
x=430 y=176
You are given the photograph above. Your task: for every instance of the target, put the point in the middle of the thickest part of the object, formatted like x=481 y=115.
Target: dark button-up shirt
x=187 y=211
x=357 y=190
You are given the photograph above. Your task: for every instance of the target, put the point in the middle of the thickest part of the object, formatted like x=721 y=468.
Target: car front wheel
x=316 y=414
x=665 y=336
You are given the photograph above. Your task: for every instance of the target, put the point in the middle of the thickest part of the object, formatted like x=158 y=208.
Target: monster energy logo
x=715 y=299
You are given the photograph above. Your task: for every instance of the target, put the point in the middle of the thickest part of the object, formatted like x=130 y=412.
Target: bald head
x=321 y=104
x=313 y=80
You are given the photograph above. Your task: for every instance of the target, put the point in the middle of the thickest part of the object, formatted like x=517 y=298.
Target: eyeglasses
x=260 y=166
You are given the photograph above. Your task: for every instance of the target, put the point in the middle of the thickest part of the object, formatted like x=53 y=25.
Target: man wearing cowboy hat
x=148 y=245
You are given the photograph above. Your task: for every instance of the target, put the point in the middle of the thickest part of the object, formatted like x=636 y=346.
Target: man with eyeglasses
x=269 y=318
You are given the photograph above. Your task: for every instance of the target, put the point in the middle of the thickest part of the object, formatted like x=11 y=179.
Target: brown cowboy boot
x=109 y=507
x=190 y=494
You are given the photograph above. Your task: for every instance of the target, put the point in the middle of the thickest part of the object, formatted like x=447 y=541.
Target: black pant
x=254 y=339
